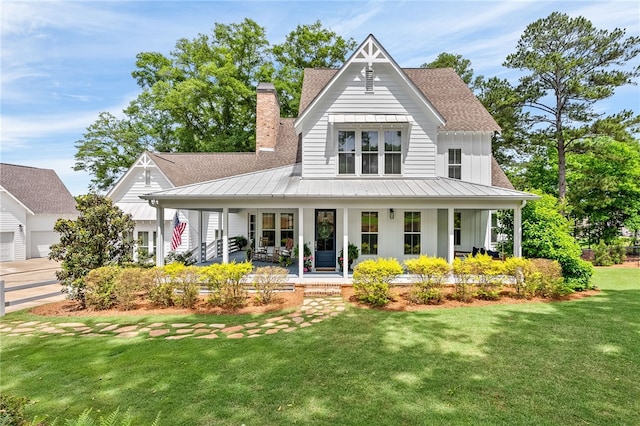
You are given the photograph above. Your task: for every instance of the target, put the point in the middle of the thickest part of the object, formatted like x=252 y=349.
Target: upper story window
x=455 y=163
x=369 y=152
x=147 y=177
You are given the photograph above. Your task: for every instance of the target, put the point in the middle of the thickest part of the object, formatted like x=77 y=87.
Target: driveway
x=28 y=272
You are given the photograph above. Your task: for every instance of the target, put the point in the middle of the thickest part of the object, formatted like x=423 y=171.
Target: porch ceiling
x=286 y=182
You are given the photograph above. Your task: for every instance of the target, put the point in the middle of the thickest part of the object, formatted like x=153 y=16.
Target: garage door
x=40 y=242
x=6 y=246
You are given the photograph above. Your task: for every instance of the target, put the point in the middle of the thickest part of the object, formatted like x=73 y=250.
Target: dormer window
x=372 y=152
x=368 y=80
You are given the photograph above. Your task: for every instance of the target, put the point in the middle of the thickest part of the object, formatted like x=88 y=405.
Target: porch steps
x=322 y=290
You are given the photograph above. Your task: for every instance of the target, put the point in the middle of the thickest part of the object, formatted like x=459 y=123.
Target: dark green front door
x=325 y=239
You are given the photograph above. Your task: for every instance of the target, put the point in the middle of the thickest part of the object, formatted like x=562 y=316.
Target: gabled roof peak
x=371 y=51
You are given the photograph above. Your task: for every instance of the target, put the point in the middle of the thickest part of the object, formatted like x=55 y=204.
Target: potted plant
x=352 y=251
x=242 y=241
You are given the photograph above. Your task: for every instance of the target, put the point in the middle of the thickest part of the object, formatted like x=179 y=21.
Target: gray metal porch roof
x=286 y=182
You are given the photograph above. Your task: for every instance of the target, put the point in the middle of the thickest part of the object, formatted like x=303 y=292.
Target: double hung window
x=369 y=233
x=455 y=163
x=269 y=228
x=411 y=232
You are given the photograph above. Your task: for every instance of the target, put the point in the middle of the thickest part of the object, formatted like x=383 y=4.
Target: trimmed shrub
x=100 y=287
x=601 y=255
x=162 y=291
x=130 y=284
x=519 y=268
x=186 y=282
x=548 y=279
x=430 y=272
x=487 y=273
x=266 y=281
x=371 y=280
x=463 y=277
x=226 y=282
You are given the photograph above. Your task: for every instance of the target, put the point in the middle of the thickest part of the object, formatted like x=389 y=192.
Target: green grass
x=568 y=363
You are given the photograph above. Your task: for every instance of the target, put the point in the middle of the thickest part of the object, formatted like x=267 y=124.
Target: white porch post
x=345 y=242
x=160 y=235
x=225 y=235
x=218 y=232
x=517 y=231
x=450 y=239
x=201 y=256
x=300 y=242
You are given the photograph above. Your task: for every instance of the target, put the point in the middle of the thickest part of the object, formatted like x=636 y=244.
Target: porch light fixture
x=392 y=213
x=20 y=227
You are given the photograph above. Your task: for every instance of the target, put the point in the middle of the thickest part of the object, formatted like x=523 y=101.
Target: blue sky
x=64 y=62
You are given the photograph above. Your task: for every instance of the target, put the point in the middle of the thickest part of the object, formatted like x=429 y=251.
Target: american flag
x=178 y=229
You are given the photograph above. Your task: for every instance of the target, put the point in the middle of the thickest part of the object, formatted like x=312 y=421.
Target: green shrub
x=371 y=280
x=618 y=252
x=130 y=284
x=186 y=281
x=100 y=287
x=266 y=281
x=576 y=272
x=431 y=273
x=549 y=280
x=226 y=283
x=463 y=280
x=601 y=255
x=12 y=410
x=162 y=291
x=487 y=273
x=519 y=268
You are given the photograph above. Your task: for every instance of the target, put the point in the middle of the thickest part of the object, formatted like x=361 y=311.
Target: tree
x=308 y=46
x=100 y=236
x=605 y=182
x=461 y=65
x=201 y=97
x=546 y=234
x=571 y=66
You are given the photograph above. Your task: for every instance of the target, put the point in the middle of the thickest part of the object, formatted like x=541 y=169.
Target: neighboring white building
x=31 y=201
x=396 y=161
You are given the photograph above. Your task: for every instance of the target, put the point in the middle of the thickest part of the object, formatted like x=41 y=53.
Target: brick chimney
x=267 y=117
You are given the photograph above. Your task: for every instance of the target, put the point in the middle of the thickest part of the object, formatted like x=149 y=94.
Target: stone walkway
x=313 y=311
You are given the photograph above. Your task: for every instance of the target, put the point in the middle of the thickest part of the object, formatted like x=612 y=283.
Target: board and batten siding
x=390 y=96
x=476 y=155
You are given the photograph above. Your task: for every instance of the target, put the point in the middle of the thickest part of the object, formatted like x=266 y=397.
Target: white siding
x=390 y=96
x=133 y=184
x=12 y=214
x=476 y=155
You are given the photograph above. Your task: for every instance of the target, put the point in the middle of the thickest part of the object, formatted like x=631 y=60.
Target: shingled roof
x=445 y=90
x=39 y=190
x=187 y=168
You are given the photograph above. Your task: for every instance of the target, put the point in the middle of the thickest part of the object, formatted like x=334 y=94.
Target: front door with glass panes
x=325 y=250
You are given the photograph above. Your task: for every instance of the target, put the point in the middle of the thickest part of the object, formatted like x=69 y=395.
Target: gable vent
x=368 y=80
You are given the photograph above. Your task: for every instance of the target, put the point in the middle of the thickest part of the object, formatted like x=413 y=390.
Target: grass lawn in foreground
x=530 y=364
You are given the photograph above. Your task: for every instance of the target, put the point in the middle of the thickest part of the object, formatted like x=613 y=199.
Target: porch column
x=160 y=236
x=225 y=235
x=218 y=233
x=345 y=242
x=300 y=242
x=450 y=239
x=202 y=256
x=517 y=231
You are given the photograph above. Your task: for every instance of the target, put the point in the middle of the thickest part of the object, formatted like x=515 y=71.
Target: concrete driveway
x=30 y=271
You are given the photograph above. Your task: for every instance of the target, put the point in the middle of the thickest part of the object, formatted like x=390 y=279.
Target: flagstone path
x=312 y=311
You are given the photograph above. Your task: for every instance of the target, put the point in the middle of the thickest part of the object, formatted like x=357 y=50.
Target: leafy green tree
x=461 y=65
x=605 y=187
x=571 y=65
x=308 y=46
x=100 y=236
x=547 y=234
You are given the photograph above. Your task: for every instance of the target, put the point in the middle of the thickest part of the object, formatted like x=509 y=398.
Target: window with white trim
x=369 y=233
x=370 y=152
x=455 y=163
x=269 y=228
x=411 y=232
x=286 y=227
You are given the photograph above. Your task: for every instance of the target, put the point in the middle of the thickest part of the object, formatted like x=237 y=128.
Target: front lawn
x=540 y=364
